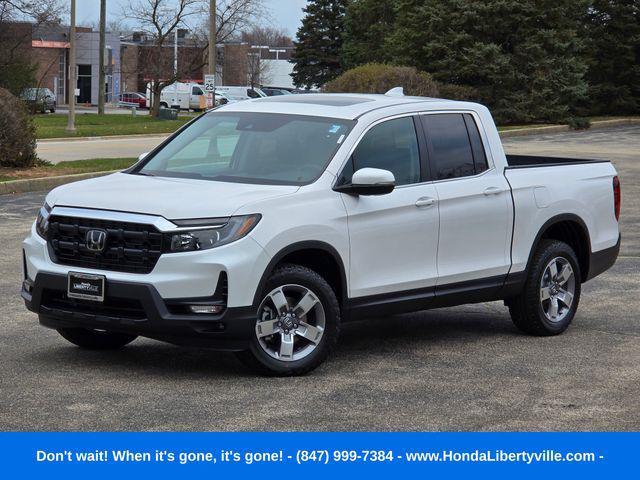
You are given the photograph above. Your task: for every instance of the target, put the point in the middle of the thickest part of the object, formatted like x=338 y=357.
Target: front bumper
x=138 y=309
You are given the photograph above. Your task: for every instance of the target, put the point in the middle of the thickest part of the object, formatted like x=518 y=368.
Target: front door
x=84 y=84
x=393 y=237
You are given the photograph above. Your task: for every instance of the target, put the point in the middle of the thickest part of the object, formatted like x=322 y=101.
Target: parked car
x=132 y=99
x=39 y=99
x=274 y=92
x=243 y=93
x=264 y=225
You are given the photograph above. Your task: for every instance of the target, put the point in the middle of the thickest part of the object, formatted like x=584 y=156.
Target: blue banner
x=318 y=455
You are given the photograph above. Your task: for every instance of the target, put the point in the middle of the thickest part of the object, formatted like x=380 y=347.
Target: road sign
x=209 y=83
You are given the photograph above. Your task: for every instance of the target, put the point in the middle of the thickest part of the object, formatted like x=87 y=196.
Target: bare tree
x=232 y=18
x=271 y=36
x=159 y=19
x=257 y=69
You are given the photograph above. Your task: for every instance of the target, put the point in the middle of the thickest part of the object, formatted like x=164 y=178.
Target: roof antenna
x=395 y=92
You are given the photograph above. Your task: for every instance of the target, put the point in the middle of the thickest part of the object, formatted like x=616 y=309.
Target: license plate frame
x=90 y=286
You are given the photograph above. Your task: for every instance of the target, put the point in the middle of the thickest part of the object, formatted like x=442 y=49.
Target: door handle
x=425 y=202
x=493 y=190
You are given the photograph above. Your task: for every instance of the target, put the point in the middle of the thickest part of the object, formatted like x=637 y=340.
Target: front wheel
x=297 y=324
x=551 y=294
x=96 y=339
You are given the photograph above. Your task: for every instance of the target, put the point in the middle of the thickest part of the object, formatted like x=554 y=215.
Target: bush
x=380 y=78
x=17 y=133
x=578 y=123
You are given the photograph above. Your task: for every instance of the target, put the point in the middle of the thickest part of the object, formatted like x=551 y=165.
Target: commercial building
x=50 y=50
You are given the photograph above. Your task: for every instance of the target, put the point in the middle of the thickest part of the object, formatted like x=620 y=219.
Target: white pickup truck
x=261 y=226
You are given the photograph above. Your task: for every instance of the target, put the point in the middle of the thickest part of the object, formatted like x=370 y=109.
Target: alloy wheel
x=291 y=322
x=557 y=289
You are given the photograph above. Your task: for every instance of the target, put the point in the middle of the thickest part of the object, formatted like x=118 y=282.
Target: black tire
x=287 y=274
x=526 y=309
x=95 y=340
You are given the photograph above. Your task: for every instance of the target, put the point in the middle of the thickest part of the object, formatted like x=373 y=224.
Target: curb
x=47 y=183
x=105 y=137
x=520 y=132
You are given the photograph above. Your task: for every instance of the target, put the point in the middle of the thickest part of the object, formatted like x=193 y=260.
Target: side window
x=479 y=156
x=392 y=146
x=451 y=154
x=196 y=91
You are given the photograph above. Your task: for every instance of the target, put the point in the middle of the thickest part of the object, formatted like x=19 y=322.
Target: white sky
x=285 y=14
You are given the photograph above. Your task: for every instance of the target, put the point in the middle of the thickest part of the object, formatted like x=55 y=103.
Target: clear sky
x=285 y=14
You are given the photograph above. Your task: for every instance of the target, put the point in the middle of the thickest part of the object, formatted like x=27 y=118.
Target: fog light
x=206 y=308
x=27 y=285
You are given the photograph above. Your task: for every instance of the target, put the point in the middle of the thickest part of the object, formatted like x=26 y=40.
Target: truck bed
x=532 y=161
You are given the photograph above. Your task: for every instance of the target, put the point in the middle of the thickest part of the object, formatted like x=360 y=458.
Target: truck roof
x=348 y=106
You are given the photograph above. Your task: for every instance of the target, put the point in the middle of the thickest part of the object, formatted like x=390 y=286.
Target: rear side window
x=479 y=157
x=455 y=147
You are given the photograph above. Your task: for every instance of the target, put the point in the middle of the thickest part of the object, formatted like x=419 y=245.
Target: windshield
x=251 y=148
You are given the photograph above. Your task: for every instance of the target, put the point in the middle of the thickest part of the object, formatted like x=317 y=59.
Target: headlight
x=195 y=237
x=42 y=221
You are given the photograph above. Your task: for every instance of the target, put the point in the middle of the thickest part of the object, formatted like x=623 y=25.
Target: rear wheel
x=297 y=325
x=551 y=294
x=96 y=339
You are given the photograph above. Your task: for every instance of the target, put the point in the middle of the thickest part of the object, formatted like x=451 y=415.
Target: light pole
x=211 y=67
x=101 y=92
x=71 y=120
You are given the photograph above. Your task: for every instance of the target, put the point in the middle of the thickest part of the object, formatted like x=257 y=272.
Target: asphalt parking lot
x=464 y=368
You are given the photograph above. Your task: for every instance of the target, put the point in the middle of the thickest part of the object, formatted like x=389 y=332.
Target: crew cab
x=261 y=226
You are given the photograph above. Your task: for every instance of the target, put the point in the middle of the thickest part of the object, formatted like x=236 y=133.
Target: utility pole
x=71 y=121
x=103 y=27
x=212 y=41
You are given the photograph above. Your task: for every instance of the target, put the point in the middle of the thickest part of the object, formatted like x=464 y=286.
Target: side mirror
x=369 y=181
x=142 y=155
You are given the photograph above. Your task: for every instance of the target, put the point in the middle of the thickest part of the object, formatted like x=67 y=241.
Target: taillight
x=616 y=196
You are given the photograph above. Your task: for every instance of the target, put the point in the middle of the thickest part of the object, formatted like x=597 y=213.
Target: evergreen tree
x=612 y=36
x=318 y=47
x=367 y=24
x=524 y=58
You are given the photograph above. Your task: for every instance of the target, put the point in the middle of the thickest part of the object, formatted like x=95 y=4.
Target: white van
x=186 y=96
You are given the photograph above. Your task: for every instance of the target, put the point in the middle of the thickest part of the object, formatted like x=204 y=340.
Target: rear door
x=196 y=95
x=393 y=237
x=476 y=213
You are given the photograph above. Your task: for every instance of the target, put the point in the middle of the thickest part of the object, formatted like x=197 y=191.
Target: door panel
x=476 y=213
x=393 y=241
x=393 y=237
x=475 y=228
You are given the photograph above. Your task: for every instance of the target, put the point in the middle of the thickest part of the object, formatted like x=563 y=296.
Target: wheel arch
x=320 y=257
x=572 y=230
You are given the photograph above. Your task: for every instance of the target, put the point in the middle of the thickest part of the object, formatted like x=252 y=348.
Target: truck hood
x=172 y=198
